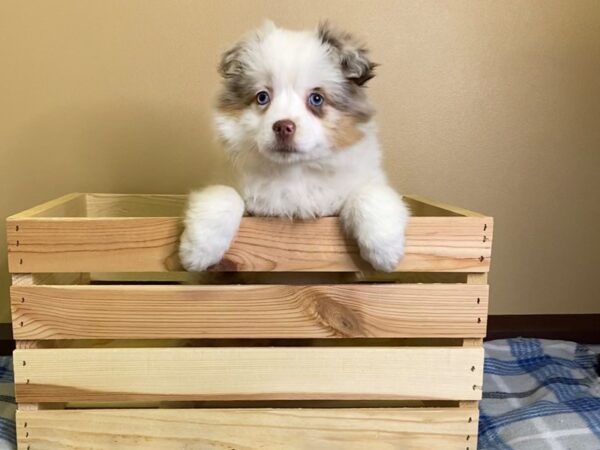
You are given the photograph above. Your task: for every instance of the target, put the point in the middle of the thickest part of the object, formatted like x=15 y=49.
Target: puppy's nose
x=284 y=129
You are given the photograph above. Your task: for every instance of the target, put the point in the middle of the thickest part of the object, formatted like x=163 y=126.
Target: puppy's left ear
x=352 y=55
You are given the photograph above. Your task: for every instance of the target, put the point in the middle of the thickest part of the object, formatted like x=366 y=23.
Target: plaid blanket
x=539 y=394
x=8 y=438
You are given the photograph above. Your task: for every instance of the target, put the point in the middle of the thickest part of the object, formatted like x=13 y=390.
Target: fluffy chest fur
x=309 y=189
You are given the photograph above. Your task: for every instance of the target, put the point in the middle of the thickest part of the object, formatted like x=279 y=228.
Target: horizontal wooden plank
x=250 y=429
x=149 y=244
x=70 y=205
x=423 y=206
x=249 y=311
x=254 y=373
x=135 y=205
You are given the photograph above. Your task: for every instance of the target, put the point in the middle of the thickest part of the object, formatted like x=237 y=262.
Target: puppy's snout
x=284 y=129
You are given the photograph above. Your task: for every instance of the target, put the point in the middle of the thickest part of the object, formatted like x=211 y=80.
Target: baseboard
x=582 y=328
x=7 y=345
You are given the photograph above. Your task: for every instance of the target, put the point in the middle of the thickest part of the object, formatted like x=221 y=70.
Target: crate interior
x=157 y=205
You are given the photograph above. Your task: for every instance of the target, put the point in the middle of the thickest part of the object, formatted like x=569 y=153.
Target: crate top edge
x=43 y=211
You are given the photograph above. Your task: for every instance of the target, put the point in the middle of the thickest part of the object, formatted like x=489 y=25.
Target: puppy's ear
x=231 y=64
x=352 y=55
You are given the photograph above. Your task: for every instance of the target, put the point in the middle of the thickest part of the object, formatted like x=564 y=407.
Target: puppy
x=294 y=117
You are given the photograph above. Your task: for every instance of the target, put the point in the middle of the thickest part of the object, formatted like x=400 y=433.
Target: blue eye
x=315 y=99
x=262 y=98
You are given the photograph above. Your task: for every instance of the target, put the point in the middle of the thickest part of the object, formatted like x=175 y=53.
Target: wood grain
x=135 y=205
x=250 y=311
x=249 y=429
x=70 y=205
x=254 y=373
x=149 y=244
x=423 y=206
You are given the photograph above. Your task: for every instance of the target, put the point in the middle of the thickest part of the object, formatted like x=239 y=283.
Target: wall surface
x=494 y=106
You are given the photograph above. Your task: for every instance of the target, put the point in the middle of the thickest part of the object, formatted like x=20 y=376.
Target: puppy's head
x=293 y=96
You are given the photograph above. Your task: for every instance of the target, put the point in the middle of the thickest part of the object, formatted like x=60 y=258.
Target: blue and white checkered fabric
x=539 y=394
x=8 y=439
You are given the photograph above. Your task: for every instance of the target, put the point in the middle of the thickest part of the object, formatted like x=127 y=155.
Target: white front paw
x=211 y=224
x=383 y=256
x=197 y=253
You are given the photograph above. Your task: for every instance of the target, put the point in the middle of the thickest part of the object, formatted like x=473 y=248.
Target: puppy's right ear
x=231 y=64
x=352 y=55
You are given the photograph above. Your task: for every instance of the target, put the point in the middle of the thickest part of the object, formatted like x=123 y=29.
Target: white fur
x=316 y=180
x=211 y=223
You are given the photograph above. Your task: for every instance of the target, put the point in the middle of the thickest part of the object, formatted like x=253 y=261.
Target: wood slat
x=70 y=205
x=249 y=311
x=253 y=373
x=149 y=244
x=250 y=429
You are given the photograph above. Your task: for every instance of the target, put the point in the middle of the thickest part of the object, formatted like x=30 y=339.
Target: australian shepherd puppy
x=294 y=117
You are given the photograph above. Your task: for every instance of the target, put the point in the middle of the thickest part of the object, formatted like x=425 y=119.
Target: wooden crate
x=291 y=342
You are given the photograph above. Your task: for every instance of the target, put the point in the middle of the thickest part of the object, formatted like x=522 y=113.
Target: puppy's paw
x=383 y=256
x=376 y=216
x=198 y=253
x=211 y=223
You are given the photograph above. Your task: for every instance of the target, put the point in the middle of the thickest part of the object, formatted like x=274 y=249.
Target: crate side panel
x=251 y=429
x=253 y=311
x=254 y=373
x=150 y=244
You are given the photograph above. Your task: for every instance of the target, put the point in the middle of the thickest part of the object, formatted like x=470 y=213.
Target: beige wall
x=494 y=106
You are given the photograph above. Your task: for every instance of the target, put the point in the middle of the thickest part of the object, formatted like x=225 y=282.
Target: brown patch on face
x=229 y=110
x=342 y=130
